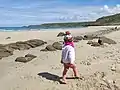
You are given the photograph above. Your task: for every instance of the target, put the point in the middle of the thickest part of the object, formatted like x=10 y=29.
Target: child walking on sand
x=68 y=57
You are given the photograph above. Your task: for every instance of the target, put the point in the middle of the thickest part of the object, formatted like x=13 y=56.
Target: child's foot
x=63 y=81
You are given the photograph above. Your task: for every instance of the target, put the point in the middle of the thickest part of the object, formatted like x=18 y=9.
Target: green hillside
x=109 y=20
x=106 y=20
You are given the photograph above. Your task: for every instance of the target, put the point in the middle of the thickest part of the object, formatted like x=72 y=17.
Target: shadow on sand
x=53 y=77
x=50 y=76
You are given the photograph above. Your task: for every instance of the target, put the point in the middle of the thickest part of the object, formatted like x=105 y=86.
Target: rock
x=100 y=42
x=57 y=45
x=22 y=46
x=21 y=59
x=12 y=46
x=4 y=52
x=88 y=63
x=30 y=55
x=1 y=45
x=90 y=37
x=50 y=48
x=25 y=59
x=90 y=42
x=61 y=34
x=95 y=44
x=107 y=40
x=7 y=50
x=35 y=43
x=78 y=38
x=113 y=68
x=8 y=38
x=17 y=46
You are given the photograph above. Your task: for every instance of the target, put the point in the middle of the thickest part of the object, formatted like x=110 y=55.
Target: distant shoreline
x=12 y=29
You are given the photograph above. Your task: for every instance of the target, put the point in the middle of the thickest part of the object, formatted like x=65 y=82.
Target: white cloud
x=37 y=14
x=89 y=13
x=111 y=10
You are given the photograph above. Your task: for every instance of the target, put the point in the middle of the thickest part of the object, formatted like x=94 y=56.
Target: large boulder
x=50 y=48
x=25 y=59
x=107 y=40
x=61 y=34
x=57 y=45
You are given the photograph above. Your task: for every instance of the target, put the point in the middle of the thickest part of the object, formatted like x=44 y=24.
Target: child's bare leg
x=65 y=72
x=75 y=71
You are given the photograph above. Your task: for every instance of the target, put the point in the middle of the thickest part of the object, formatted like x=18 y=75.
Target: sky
x=32 y=12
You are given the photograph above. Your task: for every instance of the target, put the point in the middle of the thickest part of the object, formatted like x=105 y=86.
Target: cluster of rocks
x=94 y=35
x=25 y=59
x=55 y=46
x=103 y=32
x=101 y=41
x=7 y=49
x=75 y=39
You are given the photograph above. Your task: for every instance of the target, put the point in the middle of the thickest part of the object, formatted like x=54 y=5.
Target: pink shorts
x=68 y=65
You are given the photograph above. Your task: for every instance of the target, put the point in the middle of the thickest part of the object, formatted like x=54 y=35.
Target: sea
x=10 y=29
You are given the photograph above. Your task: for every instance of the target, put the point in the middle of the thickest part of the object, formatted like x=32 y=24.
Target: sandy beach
x=99 y=67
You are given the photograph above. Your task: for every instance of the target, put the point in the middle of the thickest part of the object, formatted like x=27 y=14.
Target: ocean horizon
x=10 y=29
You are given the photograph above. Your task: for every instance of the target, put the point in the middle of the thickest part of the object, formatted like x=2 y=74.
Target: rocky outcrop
x=107 y=40
x=25 y=59
x=35 y=43
x=24 y=45
x=101 y=41
x=7 y=50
